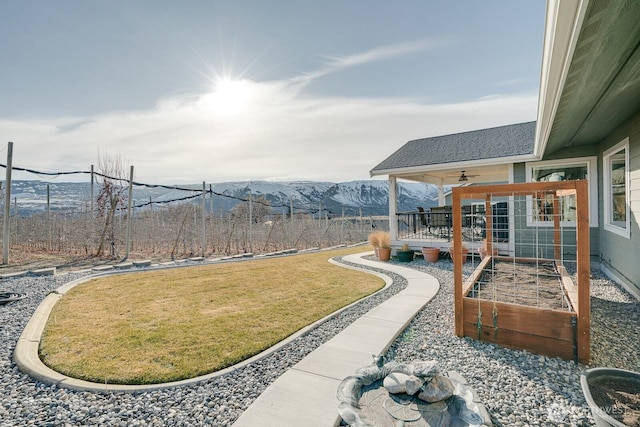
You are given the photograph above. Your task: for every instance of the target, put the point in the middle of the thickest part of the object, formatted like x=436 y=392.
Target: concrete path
x=306 y=393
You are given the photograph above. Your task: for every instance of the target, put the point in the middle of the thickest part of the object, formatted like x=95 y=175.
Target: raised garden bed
x=522 y=304
x=528 y=301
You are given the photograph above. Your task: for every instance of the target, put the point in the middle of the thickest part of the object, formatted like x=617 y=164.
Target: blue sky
x=249 y=90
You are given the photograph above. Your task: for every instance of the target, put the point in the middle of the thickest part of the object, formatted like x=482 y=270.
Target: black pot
x=405 y=256
x=592 y=380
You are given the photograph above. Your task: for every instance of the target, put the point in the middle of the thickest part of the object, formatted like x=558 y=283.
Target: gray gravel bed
x=518 y=388
x=215 y=402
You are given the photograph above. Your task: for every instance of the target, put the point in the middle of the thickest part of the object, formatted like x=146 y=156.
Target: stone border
x=26 y=352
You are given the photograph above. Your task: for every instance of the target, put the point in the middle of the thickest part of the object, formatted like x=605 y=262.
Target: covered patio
x=469 y=158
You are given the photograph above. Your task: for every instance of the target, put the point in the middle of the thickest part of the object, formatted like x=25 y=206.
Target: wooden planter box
x=539 y=329
x=548 y=331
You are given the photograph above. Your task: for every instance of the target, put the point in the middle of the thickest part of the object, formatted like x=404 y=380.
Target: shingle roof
x=503 y=141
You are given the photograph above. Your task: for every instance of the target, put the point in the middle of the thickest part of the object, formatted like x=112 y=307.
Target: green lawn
x=150 y=327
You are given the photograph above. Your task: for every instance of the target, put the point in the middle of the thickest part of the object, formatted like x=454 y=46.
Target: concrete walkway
x=306 y=393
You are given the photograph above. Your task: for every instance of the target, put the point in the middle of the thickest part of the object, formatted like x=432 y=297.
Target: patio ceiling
x=450 y=176
x=601 y=86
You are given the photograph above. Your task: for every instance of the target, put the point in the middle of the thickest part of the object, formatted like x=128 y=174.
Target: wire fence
x=180 y=227
x=177 y=231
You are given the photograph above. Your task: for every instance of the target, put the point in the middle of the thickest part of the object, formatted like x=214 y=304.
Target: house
x=587 y=128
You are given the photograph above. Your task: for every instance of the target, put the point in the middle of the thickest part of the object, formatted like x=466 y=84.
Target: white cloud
x=338 y=63
x=277 y=137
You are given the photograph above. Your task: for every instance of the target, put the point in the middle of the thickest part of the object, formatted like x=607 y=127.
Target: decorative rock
x=370 y=374
x=425 y=369
x=413 y=385
x=350 y=390
x=439 y=388
x=378 y=360
x=394 y=366
x=396 y=383
x=351 y=417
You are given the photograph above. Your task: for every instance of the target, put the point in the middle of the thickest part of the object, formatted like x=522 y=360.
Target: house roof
x=590 y=73
x=485 y=144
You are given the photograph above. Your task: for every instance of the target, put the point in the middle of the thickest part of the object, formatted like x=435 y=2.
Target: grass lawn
x=150 y=327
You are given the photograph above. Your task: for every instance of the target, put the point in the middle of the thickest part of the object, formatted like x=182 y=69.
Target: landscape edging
x=26 y=352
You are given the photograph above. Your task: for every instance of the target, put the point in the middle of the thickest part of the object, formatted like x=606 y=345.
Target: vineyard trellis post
x=250 y=224
x=91 y=201
x=129 y=200
x=49 y=217
x=204 y=232
x=7 y=206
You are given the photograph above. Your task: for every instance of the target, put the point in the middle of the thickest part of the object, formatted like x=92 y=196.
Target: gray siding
x=525 y=238
x=617 y=253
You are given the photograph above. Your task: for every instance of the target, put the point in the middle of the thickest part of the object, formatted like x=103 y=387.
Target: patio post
x=393 y=208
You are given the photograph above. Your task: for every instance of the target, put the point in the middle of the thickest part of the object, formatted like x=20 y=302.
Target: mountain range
x=368 y=197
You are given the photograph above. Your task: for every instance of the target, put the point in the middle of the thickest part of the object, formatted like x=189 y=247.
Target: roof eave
x=455 y=165
x=563 y=22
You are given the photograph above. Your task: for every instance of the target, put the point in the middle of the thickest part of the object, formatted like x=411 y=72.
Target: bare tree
x=111 y=195
x=260 y=210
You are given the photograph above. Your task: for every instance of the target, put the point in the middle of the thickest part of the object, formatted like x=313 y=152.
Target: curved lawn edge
x=26 y=353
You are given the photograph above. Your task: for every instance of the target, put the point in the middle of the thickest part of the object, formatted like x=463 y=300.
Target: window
x=616 y=189
x=540 y=210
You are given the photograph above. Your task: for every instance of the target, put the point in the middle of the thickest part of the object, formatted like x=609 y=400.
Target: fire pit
x=409 y=395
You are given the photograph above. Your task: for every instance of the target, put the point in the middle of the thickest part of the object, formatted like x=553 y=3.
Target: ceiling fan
x=463 y=176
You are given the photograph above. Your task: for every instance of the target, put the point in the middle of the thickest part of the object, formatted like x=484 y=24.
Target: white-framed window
x=615 y=163
x=539 y=211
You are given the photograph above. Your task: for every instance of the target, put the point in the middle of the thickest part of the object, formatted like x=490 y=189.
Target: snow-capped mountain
x=369 y=197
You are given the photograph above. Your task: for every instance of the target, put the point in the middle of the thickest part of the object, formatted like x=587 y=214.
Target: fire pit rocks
x=407 y=395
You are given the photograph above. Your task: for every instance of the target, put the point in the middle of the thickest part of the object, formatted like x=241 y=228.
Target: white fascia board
x=563 y=23
x=456 y=165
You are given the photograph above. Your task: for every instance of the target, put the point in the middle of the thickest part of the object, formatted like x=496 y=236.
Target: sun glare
x=229 y=97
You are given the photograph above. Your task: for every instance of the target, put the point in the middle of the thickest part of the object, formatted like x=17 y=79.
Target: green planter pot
x=405 y=256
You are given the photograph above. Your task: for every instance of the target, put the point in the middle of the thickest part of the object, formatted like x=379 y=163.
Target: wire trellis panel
x=535 y=295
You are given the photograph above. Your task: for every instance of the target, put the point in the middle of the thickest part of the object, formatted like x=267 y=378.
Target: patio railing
x=424 y=224
x=436 y=223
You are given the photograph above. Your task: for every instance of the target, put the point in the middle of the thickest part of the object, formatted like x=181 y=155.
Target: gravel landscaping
x=518 y=388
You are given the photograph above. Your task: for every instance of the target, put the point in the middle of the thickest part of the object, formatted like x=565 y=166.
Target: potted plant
x=374 y=240
x=381 y=242
x=431 y=254
x=465 y=252
x=405 y=254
